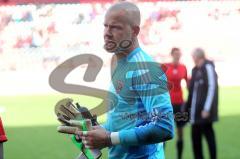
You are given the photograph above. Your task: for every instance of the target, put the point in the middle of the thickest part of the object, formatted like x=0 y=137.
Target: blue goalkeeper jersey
x=143 y=115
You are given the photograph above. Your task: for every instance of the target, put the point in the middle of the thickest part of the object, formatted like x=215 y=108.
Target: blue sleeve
x=159 y=127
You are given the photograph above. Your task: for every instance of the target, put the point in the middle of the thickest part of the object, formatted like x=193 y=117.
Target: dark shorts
x=181 y=118
x=1 y=150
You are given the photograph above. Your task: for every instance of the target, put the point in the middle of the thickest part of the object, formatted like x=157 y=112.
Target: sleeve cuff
x=207 y=109
x=115 y=138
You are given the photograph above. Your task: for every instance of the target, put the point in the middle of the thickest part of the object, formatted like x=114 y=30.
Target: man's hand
x=97 y=138
x=205 y=114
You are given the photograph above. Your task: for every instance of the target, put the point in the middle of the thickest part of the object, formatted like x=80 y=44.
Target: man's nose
x=107 y=32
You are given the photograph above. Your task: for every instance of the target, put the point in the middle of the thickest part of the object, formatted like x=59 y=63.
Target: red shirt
x=3 y=137
x=175 y=73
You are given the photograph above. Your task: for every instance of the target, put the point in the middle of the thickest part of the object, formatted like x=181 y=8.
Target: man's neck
x=124 y=54
x=175 y=62
x=127 y=52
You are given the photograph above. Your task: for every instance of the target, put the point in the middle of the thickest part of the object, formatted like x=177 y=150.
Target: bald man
x=142 y=120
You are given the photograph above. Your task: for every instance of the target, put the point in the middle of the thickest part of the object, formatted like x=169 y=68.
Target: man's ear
x=136 y=30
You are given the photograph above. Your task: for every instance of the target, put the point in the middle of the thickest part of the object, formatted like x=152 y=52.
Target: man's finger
x=85 y=142
x=96 y=127
x=87 y=146
x=78 y=137
x=67 y=129
x=82 y=133
x=76 y=123
x=85 y=133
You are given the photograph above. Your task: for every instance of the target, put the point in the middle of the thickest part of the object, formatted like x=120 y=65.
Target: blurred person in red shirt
x=3 y=138
x=176 y=72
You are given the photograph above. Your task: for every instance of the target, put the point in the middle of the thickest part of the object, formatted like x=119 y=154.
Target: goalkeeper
x=142 y=120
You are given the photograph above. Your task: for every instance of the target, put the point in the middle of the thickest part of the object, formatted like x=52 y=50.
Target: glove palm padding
x=76 y=118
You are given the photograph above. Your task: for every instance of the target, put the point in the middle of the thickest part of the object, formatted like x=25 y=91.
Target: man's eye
x=116 y=27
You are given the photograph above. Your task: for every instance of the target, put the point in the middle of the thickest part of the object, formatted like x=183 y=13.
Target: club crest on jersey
x=119 y=86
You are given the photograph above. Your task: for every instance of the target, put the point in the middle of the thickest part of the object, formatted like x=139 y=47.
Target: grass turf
x=30 y=125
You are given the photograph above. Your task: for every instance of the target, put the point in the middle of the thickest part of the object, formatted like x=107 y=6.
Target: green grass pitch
x=30 y=124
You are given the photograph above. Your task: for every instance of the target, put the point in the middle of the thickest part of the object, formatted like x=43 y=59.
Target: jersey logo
x=119 y=86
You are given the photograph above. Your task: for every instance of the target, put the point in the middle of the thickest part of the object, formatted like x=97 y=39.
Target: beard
x=118 y=47
x=110 y=46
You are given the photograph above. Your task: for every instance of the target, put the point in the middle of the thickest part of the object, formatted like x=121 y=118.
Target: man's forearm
x=156 y=131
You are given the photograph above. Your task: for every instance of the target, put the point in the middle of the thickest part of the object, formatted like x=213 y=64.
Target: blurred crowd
x=52 y=30
x=33 y=26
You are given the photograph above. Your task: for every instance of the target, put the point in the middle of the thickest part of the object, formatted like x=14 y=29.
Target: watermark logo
x=149 y=79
